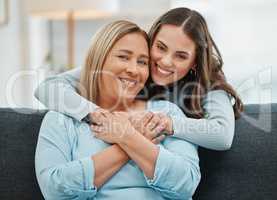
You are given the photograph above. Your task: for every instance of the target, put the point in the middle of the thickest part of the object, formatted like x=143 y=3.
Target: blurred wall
x=244 y=31
x=12 y=54
x=54 y=5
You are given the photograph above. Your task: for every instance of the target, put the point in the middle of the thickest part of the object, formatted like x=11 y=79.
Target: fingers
x=163 y=118
x=97 y=129
x=103 y=111
x=159 y=128
x=153 y=123
x=100 y=133
x=147 y=117
x=98 y=116
x=158 y=139
x=167 y=121
x=141 y=117
x=111 y=122
x=154 y=133
x=139 y=120
x=135 y=118
x=154 y=127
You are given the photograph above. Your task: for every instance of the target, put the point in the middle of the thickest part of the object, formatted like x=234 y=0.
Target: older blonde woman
x=117 y=160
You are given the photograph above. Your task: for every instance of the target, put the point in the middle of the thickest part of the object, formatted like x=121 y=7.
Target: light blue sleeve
x=59 y=93
x=59 y=176
x=216 y=130
x=177 y=172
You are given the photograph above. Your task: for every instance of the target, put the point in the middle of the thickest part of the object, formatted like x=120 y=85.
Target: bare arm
x=107 y=163
x=142 y=151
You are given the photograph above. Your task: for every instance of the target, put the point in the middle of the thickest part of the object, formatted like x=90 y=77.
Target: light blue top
x=215 y=131
x=65 y=170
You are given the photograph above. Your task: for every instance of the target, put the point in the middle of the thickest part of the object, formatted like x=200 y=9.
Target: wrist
x=128 y=137
x=124 y=155
x=87 y=119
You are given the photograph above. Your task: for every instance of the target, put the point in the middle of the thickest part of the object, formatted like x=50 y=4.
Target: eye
x=183 y=57
x=143 y=62
x=160 y=47
x=123 y=57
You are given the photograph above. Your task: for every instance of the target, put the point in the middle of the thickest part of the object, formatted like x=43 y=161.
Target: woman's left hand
x=113 y=127
x=168 y=123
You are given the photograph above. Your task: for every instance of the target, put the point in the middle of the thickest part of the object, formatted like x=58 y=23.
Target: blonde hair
x=101 y=45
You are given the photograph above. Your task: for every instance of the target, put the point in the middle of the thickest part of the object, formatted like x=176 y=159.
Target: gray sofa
x=247 y=171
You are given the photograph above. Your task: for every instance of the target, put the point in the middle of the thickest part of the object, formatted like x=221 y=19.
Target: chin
x=159 y=81
x=128 y=97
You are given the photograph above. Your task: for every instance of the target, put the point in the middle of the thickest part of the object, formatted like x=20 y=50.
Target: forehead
x=174 y=36
x=134 y=42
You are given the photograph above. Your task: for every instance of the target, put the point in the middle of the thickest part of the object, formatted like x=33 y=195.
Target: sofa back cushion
x=247 y=171
x=19 y=129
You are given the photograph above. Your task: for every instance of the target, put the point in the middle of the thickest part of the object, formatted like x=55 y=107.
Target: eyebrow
x=183 y=52
x=162 y=43
x=179 y=52
x=130 y=52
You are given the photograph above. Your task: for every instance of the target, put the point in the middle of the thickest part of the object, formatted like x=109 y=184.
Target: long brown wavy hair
x=209 y=74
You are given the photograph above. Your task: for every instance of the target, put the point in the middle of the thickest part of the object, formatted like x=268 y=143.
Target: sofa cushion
x=19 y=129
x=249 y=169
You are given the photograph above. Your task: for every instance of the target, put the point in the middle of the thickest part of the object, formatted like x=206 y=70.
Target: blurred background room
x=40 y=38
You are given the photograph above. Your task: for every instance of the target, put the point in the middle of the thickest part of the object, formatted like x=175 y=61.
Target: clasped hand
x=115 y=127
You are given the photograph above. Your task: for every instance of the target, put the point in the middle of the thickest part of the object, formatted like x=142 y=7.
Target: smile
x=127 y=82
x=162 y=71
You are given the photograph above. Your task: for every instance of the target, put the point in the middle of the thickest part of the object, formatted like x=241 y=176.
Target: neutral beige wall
x=12 y=56
x=54 y=5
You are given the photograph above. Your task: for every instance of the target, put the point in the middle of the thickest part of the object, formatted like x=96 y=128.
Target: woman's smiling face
x=172 y=55
x=126 y=68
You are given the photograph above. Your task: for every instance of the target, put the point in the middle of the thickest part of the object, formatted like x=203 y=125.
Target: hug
x=145 y=104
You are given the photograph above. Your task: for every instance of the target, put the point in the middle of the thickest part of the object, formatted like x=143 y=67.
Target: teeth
x=128 y=83
x=162 y=71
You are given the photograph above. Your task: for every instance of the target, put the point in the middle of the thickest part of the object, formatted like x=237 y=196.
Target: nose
x=166 y=60
x=132 y=69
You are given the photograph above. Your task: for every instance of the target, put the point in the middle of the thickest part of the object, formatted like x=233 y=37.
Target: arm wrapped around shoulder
x=216 y=130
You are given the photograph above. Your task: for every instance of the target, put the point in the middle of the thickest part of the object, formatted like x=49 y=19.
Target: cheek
x=182 y=70
x=107 y=78
x=145 y=74
x=155 y=54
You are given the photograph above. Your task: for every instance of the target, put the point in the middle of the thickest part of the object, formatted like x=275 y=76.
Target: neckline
x=145 y=107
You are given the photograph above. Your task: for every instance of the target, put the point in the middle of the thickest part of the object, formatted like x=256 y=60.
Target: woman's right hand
x=149 y=124
x=97 y=116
